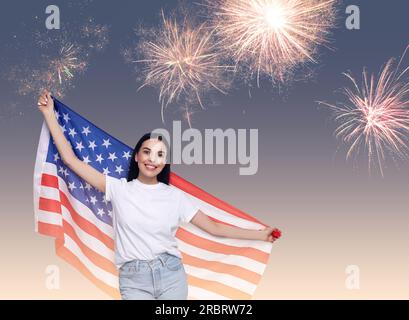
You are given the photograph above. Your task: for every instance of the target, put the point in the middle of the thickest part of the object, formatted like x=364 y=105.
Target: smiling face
x=151 y=158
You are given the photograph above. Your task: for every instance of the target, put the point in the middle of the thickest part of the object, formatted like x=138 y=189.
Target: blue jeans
x=163 y=278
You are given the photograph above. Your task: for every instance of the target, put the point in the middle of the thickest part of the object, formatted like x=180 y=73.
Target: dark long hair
x=133 y=172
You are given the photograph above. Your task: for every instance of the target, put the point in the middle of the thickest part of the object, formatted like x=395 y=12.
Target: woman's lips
x=150 y=167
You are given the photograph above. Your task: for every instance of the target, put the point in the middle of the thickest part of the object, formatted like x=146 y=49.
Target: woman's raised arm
x=82 y=169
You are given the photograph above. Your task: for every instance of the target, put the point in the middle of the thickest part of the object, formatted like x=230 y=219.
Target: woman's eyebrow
x=146 y=148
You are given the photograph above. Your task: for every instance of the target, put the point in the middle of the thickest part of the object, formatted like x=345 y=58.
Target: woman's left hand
x=266 y=235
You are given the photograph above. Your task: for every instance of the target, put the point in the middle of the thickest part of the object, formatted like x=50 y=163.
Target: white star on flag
x=106 y=143
x=86 y=160
x=79 y=146
x=119 y=169
x=71 y=186
x=93 y=200
x=66 y=117
x=112 y=156
x=92 y=145
x=66 y=174
x=100 y=212
x=72 y=132
x=86 y=131
x=99 y=158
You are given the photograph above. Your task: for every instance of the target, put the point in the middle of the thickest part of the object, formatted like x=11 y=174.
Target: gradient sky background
x=332 y=214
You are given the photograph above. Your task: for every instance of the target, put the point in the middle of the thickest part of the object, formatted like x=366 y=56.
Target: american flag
x=79 y=217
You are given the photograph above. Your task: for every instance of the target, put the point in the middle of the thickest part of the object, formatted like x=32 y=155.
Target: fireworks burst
x=66 y=64
x=96 y=34
x=182 y=61
x=375 y=115
x=55 y=72
x=57 y=59
x=272 y=37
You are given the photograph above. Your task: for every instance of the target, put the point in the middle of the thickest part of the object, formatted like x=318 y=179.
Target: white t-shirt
x=146 y=218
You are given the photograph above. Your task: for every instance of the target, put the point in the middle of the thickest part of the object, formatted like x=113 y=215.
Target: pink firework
x=375 y=115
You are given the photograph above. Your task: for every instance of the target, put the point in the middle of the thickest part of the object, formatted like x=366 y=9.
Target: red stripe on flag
x=195 y=191
x=49 y=180
x=49 y=205
x=51 y=230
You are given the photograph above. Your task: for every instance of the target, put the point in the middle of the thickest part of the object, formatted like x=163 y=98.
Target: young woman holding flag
x=147 y=212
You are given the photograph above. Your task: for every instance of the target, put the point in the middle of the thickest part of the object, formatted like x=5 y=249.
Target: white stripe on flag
x=49 y=217
x=226 y=279
x=40 y=160
x=256 y=244
x=50 y=193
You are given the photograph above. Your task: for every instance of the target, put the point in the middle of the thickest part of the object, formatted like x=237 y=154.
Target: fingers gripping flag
x=79 y=217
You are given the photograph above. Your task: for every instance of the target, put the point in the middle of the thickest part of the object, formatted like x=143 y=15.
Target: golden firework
x=181 y=60
x=272 y=37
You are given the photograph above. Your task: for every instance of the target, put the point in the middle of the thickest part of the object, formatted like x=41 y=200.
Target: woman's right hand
x=46 y=103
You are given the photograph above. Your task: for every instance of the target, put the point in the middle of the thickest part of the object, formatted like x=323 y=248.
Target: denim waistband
x=161 y=258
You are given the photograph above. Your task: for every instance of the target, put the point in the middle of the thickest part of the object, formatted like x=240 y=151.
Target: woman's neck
x=147 y=180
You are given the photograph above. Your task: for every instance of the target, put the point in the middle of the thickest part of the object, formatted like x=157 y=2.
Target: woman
x=146 y=214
